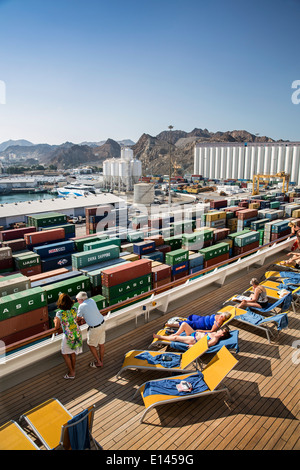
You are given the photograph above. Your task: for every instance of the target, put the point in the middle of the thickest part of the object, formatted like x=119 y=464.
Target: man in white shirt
x=89 y=312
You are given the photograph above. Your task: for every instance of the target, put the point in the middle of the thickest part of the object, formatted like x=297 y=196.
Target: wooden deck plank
x=264 y=413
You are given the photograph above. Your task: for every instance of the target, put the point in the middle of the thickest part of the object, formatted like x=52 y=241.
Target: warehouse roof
x=56 y=204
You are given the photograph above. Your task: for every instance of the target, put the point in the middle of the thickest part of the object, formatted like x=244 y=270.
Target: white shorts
x=96 y=336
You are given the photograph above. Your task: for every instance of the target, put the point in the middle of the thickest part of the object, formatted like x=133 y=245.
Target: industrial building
x=122 y=173
x=71 y=206
x=221 y=160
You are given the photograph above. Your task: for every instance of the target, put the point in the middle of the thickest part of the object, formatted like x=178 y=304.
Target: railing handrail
x=156 y=291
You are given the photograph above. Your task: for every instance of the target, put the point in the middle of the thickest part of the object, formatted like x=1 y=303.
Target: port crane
x=282 y=175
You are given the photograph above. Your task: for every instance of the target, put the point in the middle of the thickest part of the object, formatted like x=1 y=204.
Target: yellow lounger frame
x=214 y=373
x=187 y=358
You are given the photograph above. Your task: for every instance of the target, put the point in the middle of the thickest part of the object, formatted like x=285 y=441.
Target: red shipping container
x=6 y=263
x=164 y=248
x=113 y=276
x=218 y=204
x=247 y=214
x=220 y=234
x=15 y=233
x=15 y=245
x=24 y=321
x=32 y=270
x=27 y=333
x=239 y=250
x=158 y=239
x=36 y=238
x=161 y=272
x=275 y=236
x=41 y=276
x=216 y=260
x=162 y=282
x=175 y=277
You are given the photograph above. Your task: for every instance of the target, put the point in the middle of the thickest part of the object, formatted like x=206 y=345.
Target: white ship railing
x=15 y=361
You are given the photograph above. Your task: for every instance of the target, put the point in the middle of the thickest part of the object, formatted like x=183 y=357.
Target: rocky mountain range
x=153 y=151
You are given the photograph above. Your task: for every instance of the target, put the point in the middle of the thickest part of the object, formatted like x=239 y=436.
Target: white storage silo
x=143 y=193
x=136 y=170
x=126 y=154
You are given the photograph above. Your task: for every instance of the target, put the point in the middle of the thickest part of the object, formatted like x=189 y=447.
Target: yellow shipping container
x=217 y=215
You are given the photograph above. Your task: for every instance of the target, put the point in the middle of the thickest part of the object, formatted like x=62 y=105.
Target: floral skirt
x=65 y=349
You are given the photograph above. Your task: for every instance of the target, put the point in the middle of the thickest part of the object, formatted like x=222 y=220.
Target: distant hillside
x=10 y=143
x=153 y=151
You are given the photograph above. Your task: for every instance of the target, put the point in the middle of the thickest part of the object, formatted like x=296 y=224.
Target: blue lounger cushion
x=255 y=319
x=230 y=343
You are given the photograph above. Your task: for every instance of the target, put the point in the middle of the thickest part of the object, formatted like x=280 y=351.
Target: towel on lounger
x=174 y=361
x=251 y=317
x=168 y=386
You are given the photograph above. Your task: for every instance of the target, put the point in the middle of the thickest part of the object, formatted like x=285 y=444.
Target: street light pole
x=170 y=164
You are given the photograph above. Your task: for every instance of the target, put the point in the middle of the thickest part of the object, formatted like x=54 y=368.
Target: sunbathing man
x=206 y=323
x=193 y=336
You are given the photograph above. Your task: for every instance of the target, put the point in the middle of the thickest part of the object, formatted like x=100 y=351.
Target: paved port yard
x=264 y=414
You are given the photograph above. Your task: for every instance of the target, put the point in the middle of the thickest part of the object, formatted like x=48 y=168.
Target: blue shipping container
x=143 y=248
x=179 y=268
x=55 y=249
x=58 y=278
x=55 y=262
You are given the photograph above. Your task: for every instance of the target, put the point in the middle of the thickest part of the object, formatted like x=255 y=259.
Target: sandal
x=67 y=376
x=94 y=366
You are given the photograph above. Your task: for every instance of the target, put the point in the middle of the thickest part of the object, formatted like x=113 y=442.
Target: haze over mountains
x=153 y=151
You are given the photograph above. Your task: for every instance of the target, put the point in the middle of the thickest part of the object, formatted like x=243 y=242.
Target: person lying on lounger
x=204 y=323
x=193 y=336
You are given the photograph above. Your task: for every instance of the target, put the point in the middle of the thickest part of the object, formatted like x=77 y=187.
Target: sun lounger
x=57 y=428
x=259 y=321
x=155 y=360
x=231 y=343
x=13 y=437
x=164 y=391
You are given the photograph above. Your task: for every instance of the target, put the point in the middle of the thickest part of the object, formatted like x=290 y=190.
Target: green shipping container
x=129 y=295
x=79 y=243
x=46 y=219
x=135 y=237
x=69 y=286
x=246 y=239
x=101 y=243
x=125 y=287
x=236 y=234
x=100 y=301
x=88 y=258
x=215 y=250
x=176 y=257
x=22 y=302
x=27 y=260
x=68 y=228
x=174 y=242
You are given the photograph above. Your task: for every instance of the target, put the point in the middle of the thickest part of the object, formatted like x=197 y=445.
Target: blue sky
x=88 y=70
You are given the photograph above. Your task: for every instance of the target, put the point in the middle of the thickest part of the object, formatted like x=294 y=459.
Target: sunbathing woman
x=204 y=323
x=258 y=299
x=193 y=336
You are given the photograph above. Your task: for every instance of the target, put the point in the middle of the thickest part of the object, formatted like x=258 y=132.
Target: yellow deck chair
x=13 y=437
x=213 y=374
x=187 y=359
x=49 y=423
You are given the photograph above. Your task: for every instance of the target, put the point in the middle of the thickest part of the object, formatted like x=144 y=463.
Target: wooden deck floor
x=264 y=414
